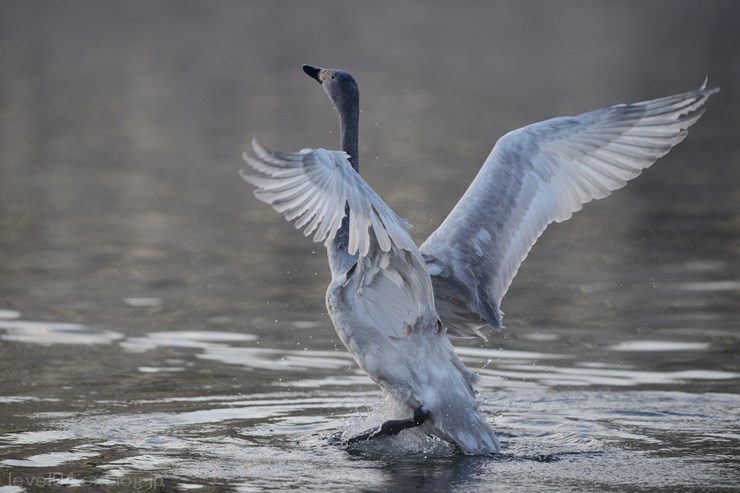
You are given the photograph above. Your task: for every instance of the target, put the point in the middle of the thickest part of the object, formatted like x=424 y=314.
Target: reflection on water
x=185 y=339
x=270 y=438
x=48 y=333
x=279 y=436
x=160 y=328
x=652 y=346
x=497 y=367
x=51 y=459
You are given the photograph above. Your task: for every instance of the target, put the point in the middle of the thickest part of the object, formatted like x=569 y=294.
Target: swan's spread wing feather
x=313 y=187
x=388 y=292
x=536 y=175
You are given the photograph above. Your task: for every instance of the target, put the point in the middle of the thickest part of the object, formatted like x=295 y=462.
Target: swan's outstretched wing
x=388 y=292
x=314 y=186
x=536 y=175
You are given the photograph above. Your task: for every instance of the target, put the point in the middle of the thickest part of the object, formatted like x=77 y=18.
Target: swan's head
x=339 y=85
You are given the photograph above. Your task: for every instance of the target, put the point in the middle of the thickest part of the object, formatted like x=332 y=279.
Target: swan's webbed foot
x=392 y=427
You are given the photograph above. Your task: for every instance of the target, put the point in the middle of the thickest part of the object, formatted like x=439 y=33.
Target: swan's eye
x=332 y=76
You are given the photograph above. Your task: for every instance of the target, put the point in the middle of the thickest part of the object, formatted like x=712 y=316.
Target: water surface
x=161 y=328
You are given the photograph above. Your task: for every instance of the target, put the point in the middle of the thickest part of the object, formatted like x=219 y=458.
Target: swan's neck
x=349 y=123
x=340 y=261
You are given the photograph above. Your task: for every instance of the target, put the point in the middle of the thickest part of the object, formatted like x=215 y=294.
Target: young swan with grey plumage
x=394 y=306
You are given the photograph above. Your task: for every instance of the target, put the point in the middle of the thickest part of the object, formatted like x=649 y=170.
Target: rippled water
x=160 y=328
x=209 y=407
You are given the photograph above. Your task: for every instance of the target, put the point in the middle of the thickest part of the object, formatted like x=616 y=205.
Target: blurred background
x=122 y=125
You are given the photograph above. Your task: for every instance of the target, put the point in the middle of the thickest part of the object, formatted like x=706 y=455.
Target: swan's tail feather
x=467 y=428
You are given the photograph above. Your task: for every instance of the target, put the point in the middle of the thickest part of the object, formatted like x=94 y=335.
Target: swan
x=395 y=305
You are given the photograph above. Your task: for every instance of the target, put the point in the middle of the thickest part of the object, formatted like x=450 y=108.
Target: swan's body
x=394 y=305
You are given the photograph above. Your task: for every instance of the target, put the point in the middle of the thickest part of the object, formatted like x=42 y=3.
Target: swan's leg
x=393 y=427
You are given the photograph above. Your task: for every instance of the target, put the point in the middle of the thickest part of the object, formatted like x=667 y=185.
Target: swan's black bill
x=313 y=72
